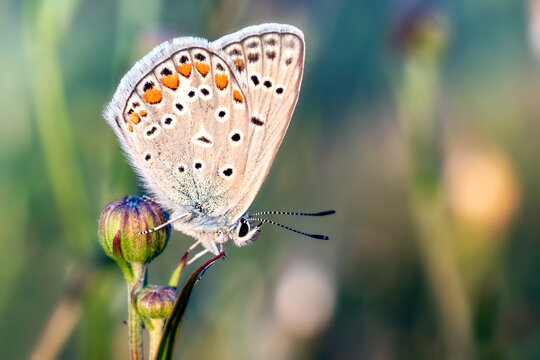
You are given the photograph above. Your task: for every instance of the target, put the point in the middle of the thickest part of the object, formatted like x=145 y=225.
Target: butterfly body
x=201 y=123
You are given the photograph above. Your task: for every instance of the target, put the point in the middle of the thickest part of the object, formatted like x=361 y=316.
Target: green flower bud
x=156 y=302
x=120 y=226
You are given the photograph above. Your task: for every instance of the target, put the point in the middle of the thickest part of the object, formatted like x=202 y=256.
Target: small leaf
x=175 y=277
x=172 y=326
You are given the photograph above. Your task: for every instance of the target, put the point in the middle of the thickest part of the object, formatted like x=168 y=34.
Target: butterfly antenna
x=314 y=236
x=161 y=226
x=322 y=213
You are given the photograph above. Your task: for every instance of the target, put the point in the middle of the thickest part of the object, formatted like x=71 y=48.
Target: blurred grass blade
x=172 y=326
x=45 y=26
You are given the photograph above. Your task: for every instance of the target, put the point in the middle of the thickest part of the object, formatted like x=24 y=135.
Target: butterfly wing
x=201 y=122
x=269 y=58
x=173 y=112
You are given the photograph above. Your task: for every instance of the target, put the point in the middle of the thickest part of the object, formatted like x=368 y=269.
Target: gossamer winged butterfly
x=201 y=123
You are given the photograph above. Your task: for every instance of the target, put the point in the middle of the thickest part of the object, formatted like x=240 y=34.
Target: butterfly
x=201 y=123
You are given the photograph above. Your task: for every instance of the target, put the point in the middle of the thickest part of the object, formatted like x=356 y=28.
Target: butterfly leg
x=221 y=241
x=198 y=255
x=194 y=245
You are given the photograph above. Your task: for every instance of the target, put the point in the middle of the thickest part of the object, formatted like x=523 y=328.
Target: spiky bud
x=156 y=302
x=121 y=224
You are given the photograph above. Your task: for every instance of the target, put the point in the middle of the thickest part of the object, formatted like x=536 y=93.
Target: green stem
x=155 y=337
x=417 y=98
x=134 y=320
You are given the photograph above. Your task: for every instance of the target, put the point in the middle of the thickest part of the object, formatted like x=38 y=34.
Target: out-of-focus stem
x=417 y=94
x=58 y=328
x=437 y=252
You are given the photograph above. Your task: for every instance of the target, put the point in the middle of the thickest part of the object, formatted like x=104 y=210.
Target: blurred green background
x=417 y=121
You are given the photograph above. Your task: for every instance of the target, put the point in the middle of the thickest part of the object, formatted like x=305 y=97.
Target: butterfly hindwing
x=269 y=59
x=170 y=124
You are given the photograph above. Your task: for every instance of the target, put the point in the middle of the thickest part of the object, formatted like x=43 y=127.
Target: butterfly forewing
x=177 y=119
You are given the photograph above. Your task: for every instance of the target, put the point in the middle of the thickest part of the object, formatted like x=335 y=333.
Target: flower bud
x=120 y=226
x=156 y=302
x=419 y=29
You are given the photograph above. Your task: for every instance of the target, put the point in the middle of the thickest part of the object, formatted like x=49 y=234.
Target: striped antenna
x=314 y=236
x=170 y=221
x=322 y=213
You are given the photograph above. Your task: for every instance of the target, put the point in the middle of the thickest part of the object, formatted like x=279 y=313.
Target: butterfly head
x=245 y=231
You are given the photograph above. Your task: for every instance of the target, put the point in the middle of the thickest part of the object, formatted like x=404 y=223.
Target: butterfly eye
x=244 y=228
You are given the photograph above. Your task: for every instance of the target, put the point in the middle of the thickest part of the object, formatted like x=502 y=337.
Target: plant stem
x=134 y=320
x=417 y=99
x=155 y=337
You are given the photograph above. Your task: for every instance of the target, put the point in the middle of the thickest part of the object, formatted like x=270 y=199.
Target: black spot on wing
x=257 y=121
x=200 y=57
x=148 y=85
x=204 y=139
x=253 y=57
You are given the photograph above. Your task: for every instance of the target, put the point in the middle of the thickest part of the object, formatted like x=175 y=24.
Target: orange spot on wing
x=184 y=69
x=238 y=96
x=202 y=68
x=153 y=96
x=171 y=81
x=221 y=81
x=130 y=128
x=143 y=113
x=239 y=64
x=134 y=118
